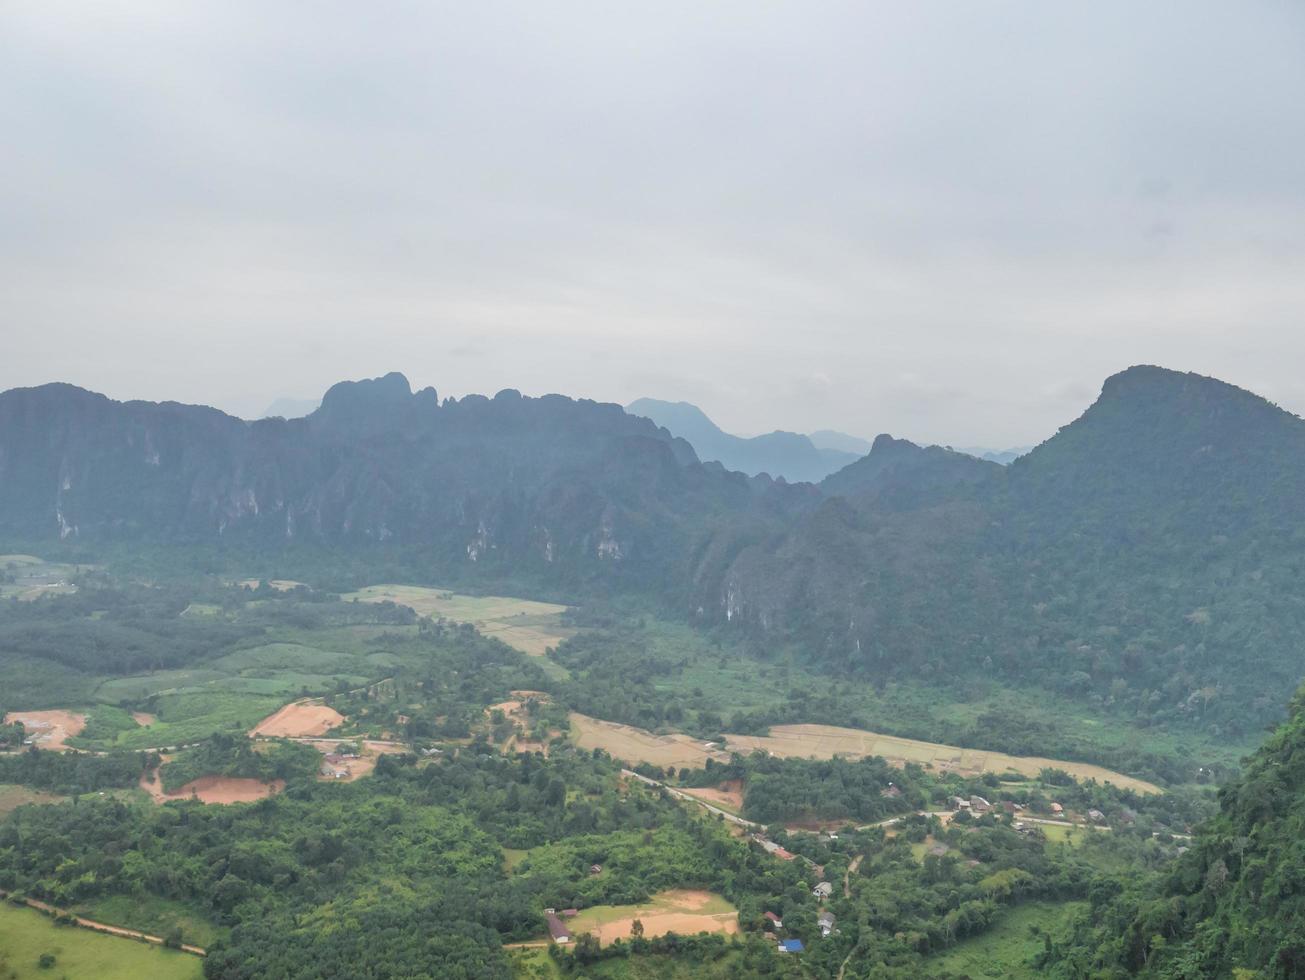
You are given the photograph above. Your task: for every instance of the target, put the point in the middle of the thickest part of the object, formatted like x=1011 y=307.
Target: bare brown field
x=827 y=741
x=633 y=745
x=299 y=720
x=50 y=729
x=227 y=789
x=212 y=789
x=728 y=796
x=682 y=911
x=523 y=624
x=12 y=797
x=143 y=718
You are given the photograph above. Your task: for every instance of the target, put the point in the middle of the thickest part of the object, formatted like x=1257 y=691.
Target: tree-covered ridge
x=1145 y=560
x=553 y=488
x=1234 y=902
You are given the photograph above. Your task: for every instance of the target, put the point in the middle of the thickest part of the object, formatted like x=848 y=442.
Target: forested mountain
x=551 y=486
x=1149 y=557
x=1146 y=559
x=1232 y=905
x=790 y=455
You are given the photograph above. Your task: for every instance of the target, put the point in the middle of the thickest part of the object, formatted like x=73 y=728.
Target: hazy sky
x=949 y=221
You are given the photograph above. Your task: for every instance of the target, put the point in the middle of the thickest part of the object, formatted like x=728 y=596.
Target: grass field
x=635 y=745
x=81 y=954
x=827 y=741
x=512 y=856
x=523 y=624
x=12 y=797
x=1006 y=949
x=154 y=915
x=184 y=718
x=33 y=577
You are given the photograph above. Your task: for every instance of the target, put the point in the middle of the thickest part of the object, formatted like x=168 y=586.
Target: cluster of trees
x=443 y=677
x=74 y=772
x=115 y=628
x=11 y=736
x=779 y=790
x=1232 y=905
x=235 y=755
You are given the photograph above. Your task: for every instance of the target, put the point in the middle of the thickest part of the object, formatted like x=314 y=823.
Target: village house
x=1057 y=809
x=891 y=791
x=776 y=923
x=959 y=803
x=791 y=946
x=823 y=890
x=979 y=805
x=595 y=869
x=1096 y=816
x=825 y=920
x=556 y=928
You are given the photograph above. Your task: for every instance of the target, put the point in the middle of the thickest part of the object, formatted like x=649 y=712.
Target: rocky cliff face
x=550 y=483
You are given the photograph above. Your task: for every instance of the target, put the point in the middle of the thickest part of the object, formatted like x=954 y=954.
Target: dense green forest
x=1134 y=565
x=1231 y=906
x=455 y=844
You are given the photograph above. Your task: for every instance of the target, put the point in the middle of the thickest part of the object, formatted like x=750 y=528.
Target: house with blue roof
x=790 y=946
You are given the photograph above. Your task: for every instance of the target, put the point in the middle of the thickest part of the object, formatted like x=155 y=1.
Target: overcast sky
x=948 y=221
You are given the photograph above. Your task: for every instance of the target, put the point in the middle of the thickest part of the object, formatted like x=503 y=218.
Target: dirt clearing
x=213 y=789
x=523 y=624
x=827 y=741
x=49 y=729
x=727 y=796
x=299 y=720
x=144 y=718
x=354 y=768
x=683 y=911
x=634 y=745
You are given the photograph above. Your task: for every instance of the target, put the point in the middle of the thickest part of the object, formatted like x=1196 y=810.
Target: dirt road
x=105 y=927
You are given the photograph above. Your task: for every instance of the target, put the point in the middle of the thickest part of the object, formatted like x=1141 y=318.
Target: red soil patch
x=299 y=720
x=144 y=718
x=50 y=729
x=215 y=789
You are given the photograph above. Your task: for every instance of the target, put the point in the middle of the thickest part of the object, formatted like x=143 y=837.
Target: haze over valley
x=686 y=492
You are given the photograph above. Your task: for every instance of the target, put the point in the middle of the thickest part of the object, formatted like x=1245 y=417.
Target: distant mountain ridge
x=574 y=490
x=790 y=455
x=1149 y=556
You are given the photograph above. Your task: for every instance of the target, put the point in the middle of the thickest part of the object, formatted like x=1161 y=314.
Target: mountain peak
x=1148 y=386
x=366 y=402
